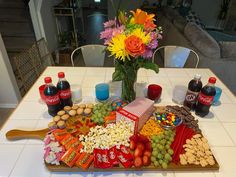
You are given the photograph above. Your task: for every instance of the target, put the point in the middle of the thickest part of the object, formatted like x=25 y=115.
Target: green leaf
x=152 y=66
x=117 y=75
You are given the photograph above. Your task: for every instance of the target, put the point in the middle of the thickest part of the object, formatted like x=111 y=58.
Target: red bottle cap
x=212 y=80
x=61 y=74
x=48 y=80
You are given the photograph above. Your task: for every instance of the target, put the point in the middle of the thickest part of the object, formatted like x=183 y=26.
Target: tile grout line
x=228 y=134
x=17 y=159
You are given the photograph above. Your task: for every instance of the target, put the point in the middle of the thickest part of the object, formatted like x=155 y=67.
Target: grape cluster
x=161 y=150
x=100 y=111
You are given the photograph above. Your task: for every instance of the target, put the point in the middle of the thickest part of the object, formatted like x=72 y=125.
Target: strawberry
x=143 y=139
x=138 y=162
x=132 y=145
x=140 y=146
x=148 y=146
x=138 y=152
x=134 y=138
x=147 y=153
x=146 y=160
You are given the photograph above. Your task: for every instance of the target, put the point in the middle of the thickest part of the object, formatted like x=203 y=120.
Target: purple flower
x=147 y=53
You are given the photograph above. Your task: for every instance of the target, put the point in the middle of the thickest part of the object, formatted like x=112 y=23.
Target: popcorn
x=107 y=137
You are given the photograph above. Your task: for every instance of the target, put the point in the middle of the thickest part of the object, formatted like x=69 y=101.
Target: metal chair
x=93 y=55
x=177 y=57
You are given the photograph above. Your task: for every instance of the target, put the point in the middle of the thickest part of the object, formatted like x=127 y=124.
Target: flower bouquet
x=131 y=39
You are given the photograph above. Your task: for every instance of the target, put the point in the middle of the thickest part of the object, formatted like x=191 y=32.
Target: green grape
x=160 y=161
x=153 y=145
x=167 y=146
x=170 y=151
x=163 y=141
x=161 y=136
x=155 y=153
x=153 y=158
x=167 y=157
x=160 y=156
x=156 y=164
x=161 y=147
x=164 y=165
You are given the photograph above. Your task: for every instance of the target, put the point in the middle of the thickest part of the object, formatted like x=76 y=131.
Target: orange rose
x=134 y=46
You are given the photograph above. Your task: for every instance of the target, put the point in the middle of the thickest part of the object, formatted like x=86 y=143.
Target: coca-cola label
x=191 y=96
x=205 y=99
x=52 y=100
x=65 y=94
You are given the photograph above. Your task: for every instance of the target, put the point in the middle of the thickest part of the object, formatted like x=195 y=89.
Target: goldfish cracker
x=151 y=128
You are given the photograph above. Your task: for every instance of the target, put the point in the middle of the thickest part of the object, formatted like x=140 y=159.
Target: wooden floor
x=4 y=114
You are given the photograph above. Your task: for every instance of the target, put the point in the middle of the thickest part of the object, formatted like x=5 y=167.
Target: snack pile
x=91 y=136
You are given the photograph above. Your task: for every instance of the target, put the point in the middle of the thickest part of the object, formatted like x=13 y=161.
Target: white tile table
x=24 y=158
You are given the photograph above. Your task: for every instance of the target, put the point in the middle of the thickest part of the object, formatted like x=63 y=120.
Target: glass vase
x=128 y=85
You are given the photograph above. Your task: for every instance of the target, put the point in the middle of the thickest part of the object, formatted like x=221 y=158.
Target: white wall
x=9 y=92
x=43 y=20
x=207 y=10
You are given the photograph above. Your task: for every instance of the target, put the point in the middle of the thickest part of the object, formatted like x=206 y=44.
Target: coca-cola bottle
x=194 y=87
x=205 y=98
x=63 y=87
x=52 y=98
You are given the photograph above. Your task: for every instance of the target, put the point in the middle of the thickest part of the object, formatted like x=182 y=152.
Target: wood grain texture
x=23 y=134
x=171 y=167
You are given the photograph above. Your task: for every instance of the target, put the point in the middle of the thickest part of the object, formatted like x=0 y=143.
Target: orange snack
x=84 y=161
x=59 y=134
x=67 y=139
x=111 y=118
x=70 y=157
x=74 y=143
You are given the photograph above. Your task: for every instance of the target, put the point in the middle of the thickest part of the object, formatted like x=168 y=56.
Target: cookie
x=61 y=124
x=82 y=106
x=56 y=118
x=72 y=112
x=87 y=111
x=60 y=113
x=80 y=111
x=52 y=125
x=90 y=105
x=65 y=117
x=75 y=107
x=67 y=108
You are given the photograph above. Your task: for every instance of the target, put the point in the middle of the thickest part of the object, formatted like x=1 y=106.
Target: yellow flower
x=117 y=47
x=141 y=34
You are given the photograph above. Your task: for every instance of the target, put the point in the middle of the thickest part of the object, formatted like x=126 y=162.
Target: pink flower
x=111 y=32
x=110 y=23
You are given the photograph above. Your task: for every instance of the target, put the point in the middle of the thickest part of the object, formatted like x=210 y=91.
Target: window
x=97 y=0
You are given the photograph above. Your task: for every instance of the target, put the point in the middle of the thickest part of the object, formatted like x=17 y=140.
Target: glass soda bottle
x=194 y=87
x=52 y=98
x=63 y=87
x=205 y=98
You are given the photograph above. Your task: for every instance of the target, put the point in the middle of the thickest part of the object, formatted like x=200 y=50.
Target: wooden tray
x=171 y=167
x=40 y=134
